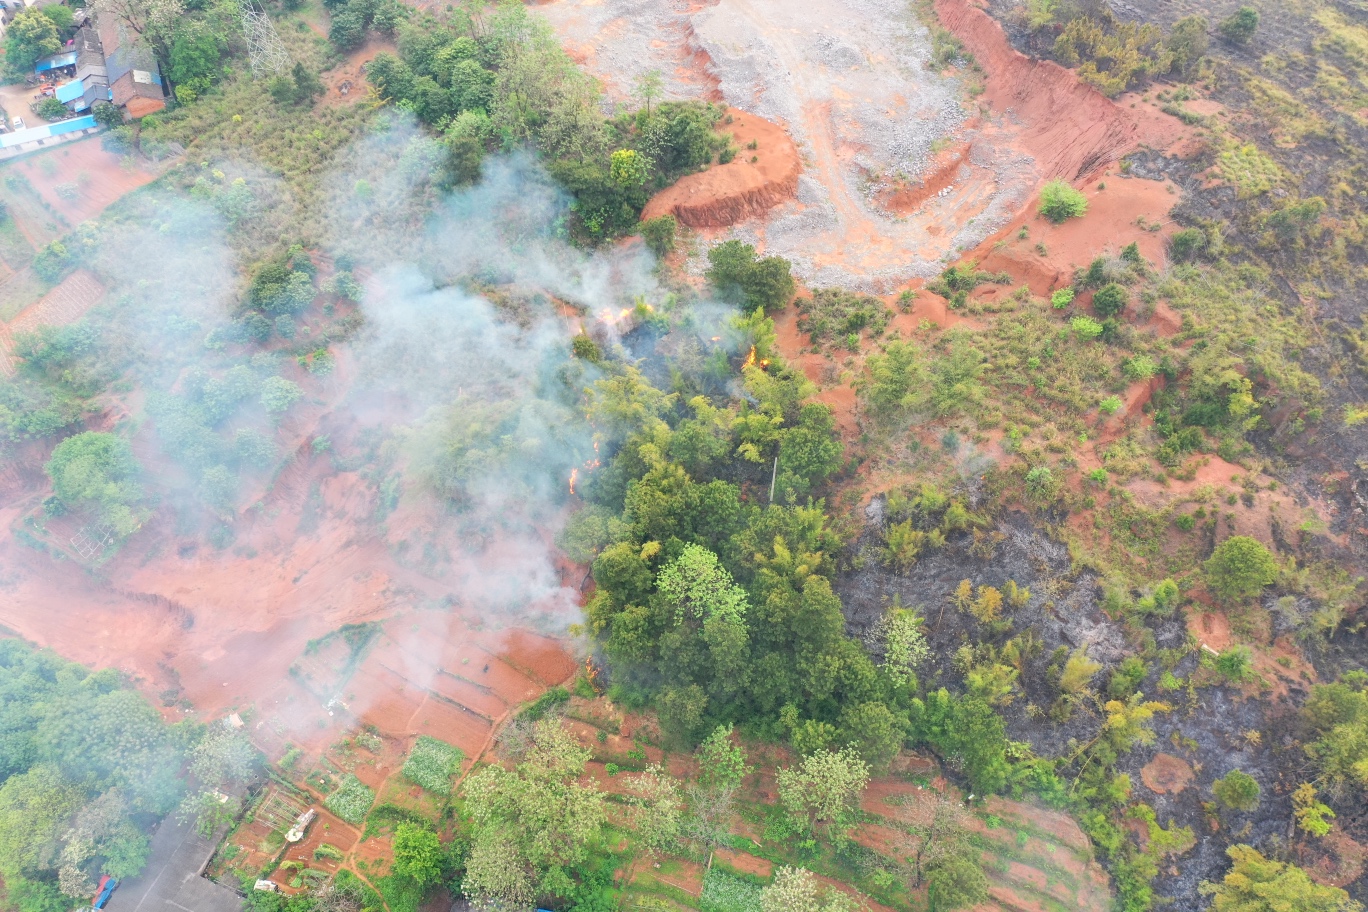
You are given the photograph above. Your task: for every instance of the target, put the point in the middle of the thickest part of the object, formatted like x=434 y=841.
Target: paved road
x=171 y=881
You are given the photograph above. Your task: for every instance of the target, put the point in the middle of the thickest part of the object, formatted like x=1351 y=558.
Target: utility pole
x=773 y=477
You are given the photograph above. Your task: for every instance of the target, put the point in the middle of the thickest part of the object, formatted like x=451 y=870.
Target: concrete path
x=171 y=881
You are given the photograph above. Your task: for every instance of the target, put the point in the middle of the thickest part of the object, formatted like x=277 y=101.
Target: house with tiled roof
x=135 y=82
x=100 y=64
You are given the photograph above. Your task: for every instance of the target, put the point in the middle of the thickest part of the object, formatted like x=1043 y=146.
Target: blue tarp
x=55 y=61
x=70 y=91
x=46 y=131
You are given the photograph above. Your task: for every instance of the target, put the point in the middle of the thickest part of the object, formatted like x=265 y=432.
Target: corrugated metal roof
x=54 y=62
x=70 y=91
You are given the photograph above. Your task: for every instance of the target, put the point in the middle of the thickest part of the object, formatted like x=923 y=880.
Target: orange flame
x=750 y=359
x=573 y=474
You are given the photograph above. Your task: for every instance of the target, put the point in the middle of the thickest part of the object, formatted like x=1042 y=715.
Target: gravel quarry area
x=850 y=81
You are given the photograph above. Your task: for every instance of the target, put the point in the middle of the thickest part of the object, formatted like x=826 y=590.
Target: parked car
x=18 y=123
x=107 y=885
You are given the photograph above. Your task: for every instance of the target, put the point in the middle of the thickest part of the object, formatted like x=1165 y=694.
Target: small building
x=135 y=82
x=100 y=65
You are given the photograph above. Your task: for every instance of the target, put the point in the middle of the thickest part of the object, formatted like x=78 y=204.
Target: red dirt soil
x=1073 y=130
x=1111 y=222
x=1166 y=774
x=65 y=304
x=352 y=70
x=726 y=194
x=99 y=177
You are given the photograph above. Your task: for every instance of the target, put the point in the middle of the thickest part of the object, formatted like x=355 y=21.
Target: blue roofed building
x=102 y=66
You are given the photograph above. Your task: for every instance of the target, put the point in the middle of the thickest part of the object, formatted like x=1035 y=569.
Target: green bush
x=544 y=704
x=1085 y=328
x=52 y=262
x=1062 y=298
x=1237 y=791
x=351 y=801
x=743 y=278
x=659 y=234
x=1240 y=26
x=98 y=470
x=1110 y=300
x=1060 y=202
x=432 y=763
x=1240 y=568
x=52 y=109
x=1187 y=244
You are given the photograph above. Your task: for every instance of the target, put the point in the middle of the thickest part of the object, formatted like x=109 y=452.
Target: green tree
x=932 y=831
x=1338 y=715
x=1060 y=202
x=824 y=789
x=896 y=384
x=417 y=854
x=1237 y=790
x=1110 y=299
x=35 y=807
x=1239 y=569
x=278 y=394
x=1258 y=884
x=721 y=768
x=1240 y=26
x=957 y=884
x=629 y=168
x=224 y=758
x=531 y=825
x=61 y=16
x=698 y=585
x=106 y=114
x=740 y=276
x=97 y=469
x=795 y=890
x=904 y=645
x=721 y=761
x=29 y=37
x=1311 y=815
x=1188 y=43
x=876 y=733
x=659 y=809
x=196 y=52
x=659 y=234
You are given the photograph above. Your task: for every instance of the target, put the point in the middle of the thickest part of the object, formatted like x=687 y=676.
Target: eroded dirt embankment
x=763 y=174
x=1073 y=130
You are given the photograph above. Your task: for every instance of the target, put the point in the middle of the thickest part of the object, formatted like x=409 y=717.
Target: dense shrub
x=659 y=234
x=97 y=470
x=1240 y=568
x=1060 y=202
x=742 y=277
x=1240 y=26
x=1110 y=300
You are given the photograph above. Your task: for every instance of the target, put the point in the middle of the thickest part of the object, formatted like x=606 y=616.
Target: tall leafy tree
x=533 y=823
x=824 y=790
x=30 y=36
x=1258 y=884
